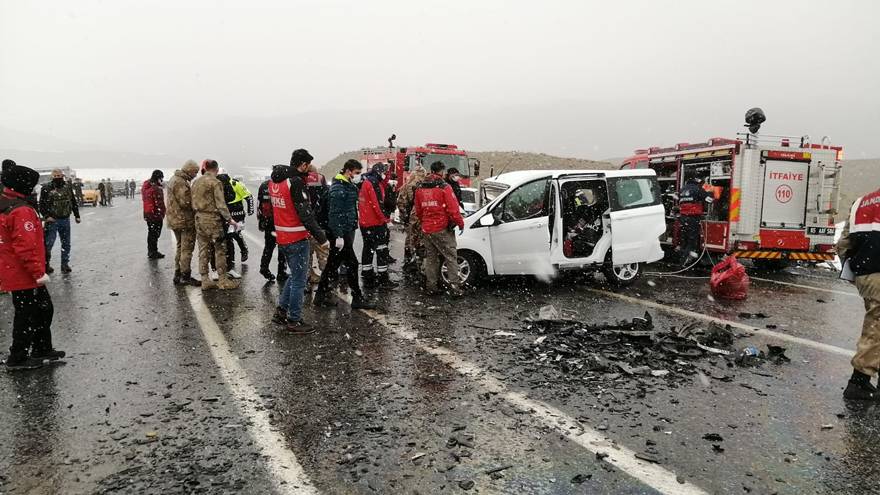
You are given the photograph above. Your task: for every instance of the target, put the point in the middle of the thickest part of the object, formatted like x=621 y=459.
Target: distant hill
x=859 y=177
x=499 y=161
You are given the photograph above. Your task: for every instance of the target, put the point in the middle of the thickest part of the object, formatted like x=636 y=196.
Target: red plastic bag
x=729 y=280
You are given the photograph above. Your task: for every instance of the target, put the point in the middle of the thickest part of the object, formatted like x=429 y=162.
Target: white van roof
x=523 y=176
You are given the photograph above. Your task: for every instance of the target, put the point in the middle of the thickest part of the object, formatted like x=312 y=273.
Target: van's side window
x=633 y=192
x=527 y=201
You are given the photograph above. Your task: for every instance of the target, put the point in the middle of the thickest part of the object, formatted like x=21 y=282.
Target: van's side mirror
x=475 y=166
x=487 y=220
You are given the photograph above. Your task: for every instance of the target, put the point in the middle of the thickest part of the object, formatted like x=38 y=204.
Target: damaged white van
x=538 y=222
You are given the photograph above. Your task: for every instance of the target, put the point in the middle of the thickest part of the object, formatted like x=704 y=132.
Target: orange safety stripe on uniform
x=735 y=202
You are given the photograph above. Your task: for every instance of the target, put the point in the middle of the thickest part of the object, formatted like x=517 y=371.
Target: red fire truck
x=775 y=196
x=403 y=159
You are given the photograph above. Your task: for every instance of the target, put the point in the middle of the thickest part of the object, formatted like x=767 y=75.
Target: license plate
x=820 y=230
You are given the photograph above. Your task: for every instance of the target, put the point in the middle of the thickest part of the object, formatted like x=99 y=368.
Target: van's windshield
x=491 y=190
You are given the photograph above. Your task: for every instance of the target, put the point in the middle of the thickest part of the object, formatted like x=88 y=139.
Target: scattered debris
x=499 y=469
x=502 y=333
x=750 y=316
x=827 y=427
x=632 y=348
x=713 y=437
x=581 y=478
x=466 y=484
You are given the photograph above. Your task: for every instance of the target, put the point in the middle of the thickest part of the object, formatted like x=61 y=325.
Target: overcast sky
x=130 y=75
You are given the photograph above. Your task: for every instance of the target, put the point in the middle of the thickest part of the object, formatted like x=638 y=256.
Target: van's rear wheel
x=622 y=275
x=471 y=269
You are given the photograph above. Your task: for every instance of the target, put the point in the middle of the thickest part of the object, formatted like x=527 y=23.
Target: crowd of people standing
x=311 y=224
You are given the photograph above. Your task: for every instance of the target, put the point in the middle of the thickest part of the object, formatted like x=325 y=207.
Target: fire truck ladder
x=829 y=184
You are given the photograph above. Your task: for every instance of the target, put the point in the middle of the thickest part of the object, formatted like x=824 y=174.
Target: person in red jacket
x=373 y=217
x=23 y=271
x=153 y=196
x=437 y=209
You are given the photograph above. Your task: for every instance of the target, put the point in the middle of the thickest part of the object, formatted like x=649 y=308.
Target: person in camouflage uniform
x=211 y=220
x=413 y=228
x=181 y=220
x=57 y=202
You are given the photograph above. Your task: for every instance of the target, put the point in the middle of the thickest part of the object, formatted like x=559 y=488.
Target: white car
x=538 y=222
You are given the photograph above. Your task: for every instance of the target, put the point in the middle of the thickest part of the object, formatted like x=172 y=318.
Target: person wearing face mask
x=181 y=220
x=153 y=197
x=295 y=223
x=57 y=202
x=342 y=222
x=374 y=220
x=453 y=178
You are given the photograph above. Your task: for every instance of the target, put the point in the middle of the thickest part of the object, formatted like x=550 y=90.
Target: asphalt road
x=167 y=390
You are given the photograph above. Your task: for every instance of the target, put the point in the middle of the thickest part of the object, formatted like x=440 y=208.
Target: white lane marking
x=650 y=474
x=734 y=324
x=810 y=287
x=286 y=472
x=653 y=475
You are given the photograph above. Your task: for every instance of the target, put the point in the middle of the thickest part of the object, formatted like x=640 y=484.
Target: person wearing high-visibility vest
x=859 y=248
x=295 y=223
x=237 y=197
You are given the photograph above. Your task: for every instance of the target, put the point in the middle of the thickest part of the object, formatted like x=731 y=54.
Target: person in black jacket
x=342 y=224
x=452 y=178
x=267 y=226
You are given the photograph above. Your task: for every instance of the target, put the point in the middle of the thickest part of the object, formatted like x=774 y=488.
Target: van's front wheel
x=622 y=275
x=471 y=269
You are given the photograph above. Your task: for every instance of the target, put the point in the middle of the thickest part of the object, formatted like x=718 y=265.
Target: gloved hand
x=43 y=280
x=340 y=242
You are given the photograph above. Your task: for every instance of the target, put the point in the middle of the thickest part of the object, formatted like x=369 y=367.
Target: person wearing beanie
x=153 y=196
x=181 y=219
x=23 y=265
x=57 y=202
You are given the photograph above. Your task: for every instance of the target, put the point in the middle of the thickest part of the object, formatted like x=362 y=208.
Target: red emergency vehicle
x=404 y=159
x=775 y=197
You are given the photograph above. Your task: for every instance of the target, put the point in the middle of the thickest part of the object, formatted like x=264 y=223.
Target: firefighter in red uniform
x=437 y=209
x=373 y=215
x=23 y=270
x=692 y=202
x=295 y=223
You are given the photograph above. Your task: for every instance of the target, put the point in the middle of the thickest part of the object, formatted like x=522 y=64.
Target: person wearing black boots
x=23 y=258
x=266 y=225
x=342 y=221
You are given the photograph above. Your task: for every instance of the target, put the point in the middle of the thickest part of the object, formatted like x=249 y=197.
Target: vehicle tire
x=770 y=265
x=471 y=267
x=622 y=275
